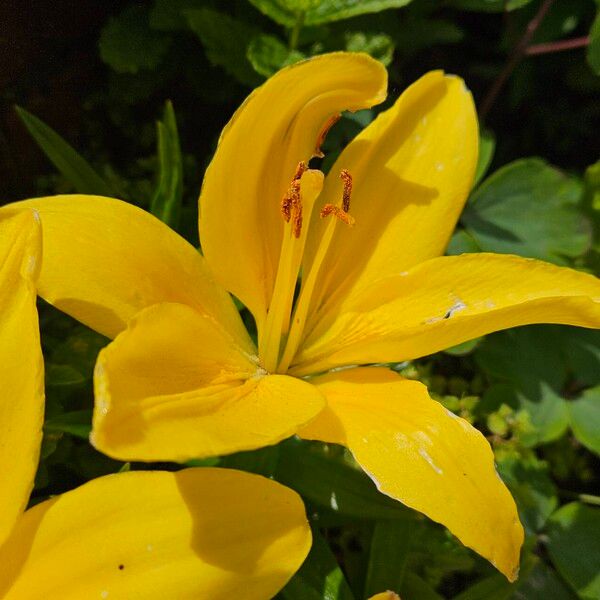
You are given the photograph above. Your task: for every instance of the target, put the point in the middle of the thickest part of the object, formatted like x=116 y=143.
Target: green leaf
x=582 y=353
x=263 y=461
x=128 y=45
x=531 y=209
x=225 y=41
x=320 y=474
x=77 y=423
x=76 y=170
x=532 y=489
x=63 y=376
x=168 y=196
x=542 y=583
x=268 y=54
x=319 y=578
x=462 y=242
x=317 y=12
x=414 y=586
x=377 y=45
x=487 y=145
x=573 y=533
x=593 y=51
x=529 y=359
x=585 y=418
x=390 y=549
x=168 y=15
x=489 y=5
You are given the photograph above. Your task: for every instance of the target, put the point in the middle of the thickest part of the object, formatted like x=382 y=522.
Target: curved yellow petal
x=173 y=386
x=280 y=124
x=412 y=170
x=389 y=595
x=21 y=365
x=445 y=301
x=104 y=260
x=421 y=454
x=198 y=533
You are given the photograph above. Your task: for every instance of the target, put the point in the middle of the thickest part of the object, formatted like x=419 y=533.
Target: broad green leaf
x=464 y=348
x=77 y=423
x=582 y=353
x=268 y=54
x=225 y=41
x=487 y=145
x=263 y=461
x=377 y=45
x=573 y=533
x=319 y=578
x=530 y=361
x=390 y=548
x=320 y=474
x=489 y=5
x=532 y=489
x=128 y=45
x=542 y=583
x=462 y=242
x=585 y=418
x=593 y=51
x=531 y=209
x=317 y=12
x=167 y=198
x=76 y=170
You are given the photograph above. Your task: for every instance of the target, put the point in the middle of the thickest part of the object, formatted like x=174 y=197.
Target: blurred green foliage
x=534 y=392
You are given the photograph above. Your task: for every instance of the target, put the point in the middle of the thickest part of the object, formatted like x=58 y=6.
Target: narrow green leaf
x=573 y=534
x=487 y=145
x=593 y=51
x=167 y=198
x=63 y=156
x=390 y=549
x=319 y=578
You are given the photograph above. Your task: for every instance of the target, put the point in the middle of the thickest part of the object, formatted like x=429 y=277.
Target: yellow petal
x=104 y=260
x=412 y=170
x=21 y=365
x=421 y=454
x=445 y=301
x=173 y=386
x=198 y=533
x=385 y=596
x=279 y=125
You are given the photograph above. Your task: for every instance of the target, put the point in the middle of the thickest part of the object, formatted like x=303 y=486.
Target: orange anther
x=291 y=198
x=328 y=125
x=347 y=179
x=336 y=211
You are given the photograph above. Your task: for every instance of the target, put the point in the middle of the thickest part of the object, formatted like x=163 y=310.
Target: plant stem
x=295 y=32
x=559 y=46
x=514 y=59
x=585 y=498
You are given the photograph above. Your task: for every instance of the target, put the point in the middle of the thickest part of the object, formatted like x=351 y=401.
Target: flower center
x=282 y=333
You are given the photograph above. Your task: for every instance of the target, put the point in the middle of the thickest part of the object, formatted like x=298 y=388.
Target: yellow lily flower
x=197 y=533
x=183 y=378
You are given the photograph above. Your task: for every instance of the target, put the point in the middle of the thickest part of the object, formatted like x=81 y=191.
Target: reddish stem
x=559 y=46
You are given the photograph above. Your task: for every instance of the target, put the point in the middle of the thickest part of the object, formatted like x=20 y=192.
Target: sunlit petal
x=412 y=170
x=104 y=260
x=21 y=365
x=445 y=301
x=173 y=386
x=280 y=124
x=421 y=454
x=198 y=533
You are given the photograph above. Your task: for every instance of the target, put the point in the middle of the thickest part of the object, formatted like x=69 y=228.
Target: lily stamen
x=291 y=203
x=336 y=211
